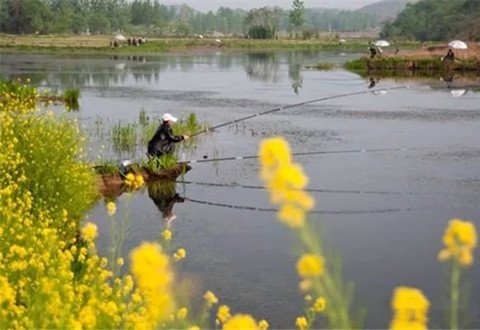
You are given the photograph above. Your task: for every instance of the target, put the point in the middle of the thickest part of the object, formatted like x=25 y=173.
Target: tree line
x=436 y=20
x=151 y=17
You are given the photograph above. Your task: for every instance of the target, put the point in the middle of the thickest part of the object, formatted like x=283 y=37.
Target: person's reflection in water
x=164 y=195
x=448 y=78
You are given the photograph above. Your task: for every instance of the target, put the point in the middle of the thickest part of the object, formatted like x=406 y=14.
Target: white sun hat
x=169 y=117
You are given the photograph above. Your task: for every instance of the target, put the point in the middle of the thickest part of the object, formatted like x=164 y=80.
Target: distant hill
x=437 y=20
x=385 y=10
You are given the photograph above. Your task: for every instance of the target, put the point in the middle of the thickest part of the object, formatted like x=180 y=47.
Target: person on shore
x=450 y=56
x=163 y=142
x=373 y=51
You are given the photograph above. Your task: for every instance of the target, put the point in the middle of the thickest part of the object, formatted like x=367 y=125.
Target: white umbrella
x=119 y=37
x=458 y=44
x=458 y=92
x=342 y=41
x=381 y=43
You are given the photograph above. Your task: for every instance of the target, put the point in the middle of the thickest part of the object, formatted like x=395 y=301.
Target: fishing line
x=326 y=152
x=262 y=209
x=328 y=191
x=293 y=106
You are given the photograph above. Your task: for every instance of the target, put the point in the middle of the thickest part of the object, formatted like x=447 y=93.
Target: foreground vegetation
x=51 y=275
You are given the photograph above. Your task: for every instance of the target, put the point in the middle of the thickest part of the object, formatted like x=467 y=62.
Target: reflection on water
x=164 y=196
x=118 y=69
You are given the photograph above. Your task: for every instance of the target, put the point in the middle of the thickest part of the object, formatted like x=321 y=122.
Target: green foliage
x=107 y=167
x=71 y=96
x=124 y=136
x=297 y=13
x=435 y=20
x=165 y=162
x=151 y=18
x=263 y=23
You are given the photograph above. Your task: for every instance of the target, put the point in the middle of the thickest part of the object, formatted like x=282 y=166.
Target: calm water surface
x=383 y=213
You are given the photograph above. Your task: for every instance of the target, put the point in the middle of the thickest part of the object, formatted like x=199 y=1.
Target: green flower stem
x=454 y=295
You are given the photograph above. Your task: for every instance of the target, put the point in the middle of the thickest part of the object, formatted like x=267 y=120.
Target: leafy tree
x=98 y=23
x=263 y=22
x=297 y=14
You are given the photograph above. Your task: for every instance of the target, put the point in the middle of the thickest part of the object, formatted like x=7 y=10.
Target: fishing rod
x=313 y=190
x=293 y=106
x=264 y=209
x=326 y=152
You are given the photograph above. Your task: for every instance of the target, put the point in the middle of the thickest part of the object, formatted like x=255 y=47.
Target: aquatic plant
x=70 y=97
x=124 y=136
x=107 y=167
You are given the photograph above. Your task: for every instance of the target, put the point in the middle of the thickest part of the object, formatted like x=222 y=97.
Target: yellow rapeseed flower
x=285 y=181
x=210 y=298
x=154 y=279
x=111 y=208
x=460 y=239
x=89 y=231
x=182 y=313
x=319 y=305
x=310 y=265
x=410 y=308
x=301 y=323
x=263 y=325
x=223 y=313
x=180 y=254
x=241 y=322
x=167 y=235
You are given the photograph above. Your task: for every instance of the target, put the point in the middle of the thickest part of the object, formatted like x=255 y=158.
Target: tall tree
x=297 y=14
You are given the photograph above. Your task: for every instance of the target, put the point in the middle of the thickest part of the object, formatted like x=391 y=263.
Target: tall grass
x=70 y=97
x=124 y=136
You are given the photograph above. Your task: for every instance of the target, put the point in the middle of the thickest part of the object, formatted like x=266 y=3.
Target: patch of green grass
x=107 y=167
x=124 y=136
x=324 y=66
x=71 y=96
x=165 y=162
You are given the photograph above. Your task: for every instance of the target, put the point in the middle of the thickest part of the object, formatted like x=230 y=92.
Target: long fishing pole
x=293 y=106
x=332 y=212
x=313 y=190
x=326 y=152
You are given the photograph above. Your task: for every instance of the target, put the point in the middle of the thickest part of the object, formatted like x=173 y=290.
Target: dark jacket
x=163 y=141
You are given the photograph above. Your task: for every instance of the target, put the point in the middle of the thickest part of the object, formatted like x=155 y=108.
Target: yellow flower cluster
x=223 y=313
x=49 y=277
x=301 y=323
x=460 y=239
x=134 y=181
x=89 y=231
x=410 y=308
x=151 y=268
x=319 y=305
x=285 y=181
x=180 y=254
x=310 y=265
x=210 y=298
x=241 y=322
x=111 y=208
x=167 y=235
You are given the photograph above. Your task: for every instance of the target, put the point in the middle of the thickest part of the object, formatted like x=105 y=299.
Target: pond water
x=382 y=213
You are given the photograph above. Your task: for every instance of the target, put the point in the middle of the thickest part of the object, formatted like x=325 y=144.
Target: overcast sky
x=206 y=5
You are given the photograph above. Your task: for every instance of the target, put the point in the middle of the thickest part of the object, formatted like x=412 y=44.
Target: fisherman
x=373 y=51
x=450 y=56
x=163 y=142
